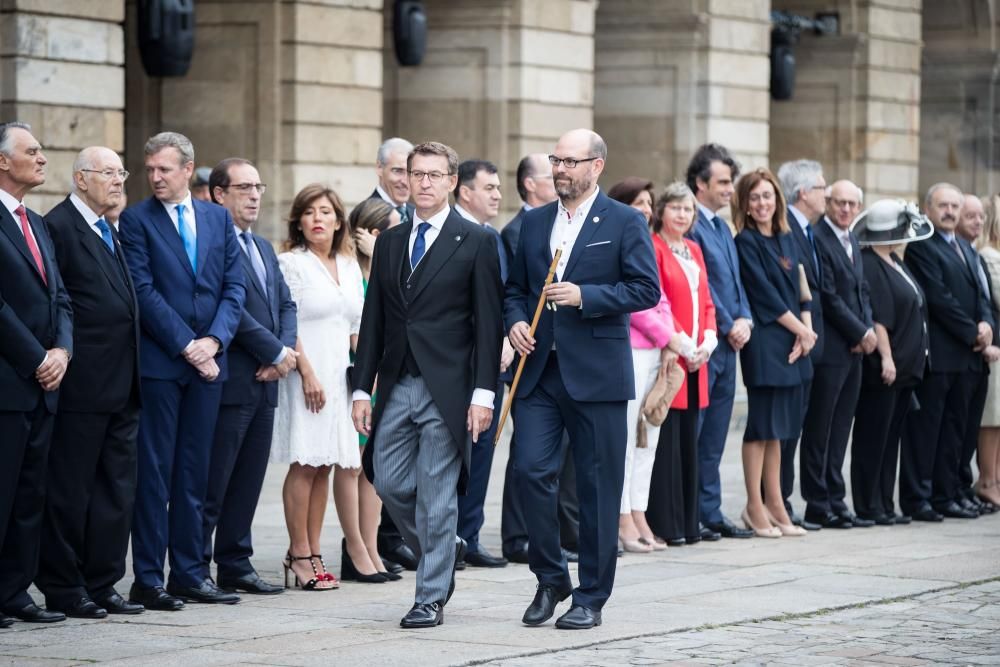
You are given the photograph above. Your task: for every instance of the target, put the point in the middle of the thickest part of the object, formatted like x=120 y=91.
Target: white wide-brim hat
x=891 y=222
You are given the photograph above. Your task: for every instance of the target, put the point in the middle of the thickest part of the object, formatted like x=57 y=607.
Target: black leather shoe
x=391 y=566
x=402 y=554
x=802 y=523
x=154 y=598
x=927 y=514
x=728 y=529
x=676 y=542
x=953 y=510
x=249 y=583
x=579 y=618
x=901 y=519
x=830 y=520
x=32 y=613
x=460 y=548
x=710 y=534
x=116 y=604
x=883 y=520
x=519 y=555
x=82 y=607
x=857 y=521
x=206 y=592
x=6 y=621
x=971 y=504
x=692 y=539
x=573 y=556
x=423 y=616
x=483 y=558
x=544 y=604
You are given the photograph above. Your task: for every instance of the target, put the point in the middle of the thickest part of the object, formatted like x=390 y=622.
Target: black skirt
x=773 y=413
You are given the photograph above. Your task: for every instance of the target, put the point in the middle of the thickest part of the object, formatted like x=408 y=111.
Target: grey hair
x=797 y=177
x=941 y=186
x=176 y=140
x=390 y=146
x=5 y=139
x=676 y=191
x=597 y=146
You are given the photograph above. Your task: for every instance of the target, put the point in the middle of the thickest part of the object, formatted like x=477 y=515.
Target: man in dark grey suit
x=431 y=331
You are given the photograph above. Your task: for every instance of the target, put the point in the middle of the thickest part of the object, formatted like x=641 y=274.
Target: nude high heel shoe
x=770 y=531
x=786 y=529
x=635 y=546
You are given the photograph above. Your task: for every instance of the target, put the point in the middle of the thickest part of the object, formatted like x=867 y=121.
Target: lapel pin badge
x=596 y=219
x=458 y=238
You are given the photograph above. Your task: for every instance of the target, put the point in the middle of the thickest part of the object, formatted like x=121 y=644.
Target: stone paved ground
x=694 y=604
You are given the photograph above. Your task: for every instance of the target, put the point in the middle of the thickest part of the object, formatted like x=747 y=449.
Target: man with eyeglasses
x=578 y=373
x=91 y=477
x=261 y=352
x=848 y=334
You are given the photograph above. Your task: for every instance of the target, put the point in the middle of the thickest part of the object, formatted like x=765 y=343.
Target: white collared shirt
x=567 y=228
x=10 y=204
x=707 y=212
x=88 y=214
x=465 y=214
x=385 y=196
x=843 y=235
x=436 y=223
x=171 y=209
x=800 y=217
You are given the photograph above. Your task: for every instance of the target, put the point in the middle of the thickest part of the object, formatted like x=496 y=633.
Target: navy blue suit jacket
x=35 y=315
x=810 y=262
x=847 y=312
x=175 y=305
x=614 y=265
x=723 y=266
x=268 y=324
x=511 y=233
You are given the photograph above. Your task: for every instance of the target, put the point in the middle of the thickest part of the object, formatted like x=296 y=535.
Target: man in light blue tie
x=185 y=262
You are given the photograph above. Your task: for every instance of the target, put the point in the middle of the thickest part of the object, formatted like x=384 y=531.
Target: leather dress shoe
x=391 y=566
x=857 y=521
x=953 y=510
x=727 y=528
x=901 y=519
x=249 y=583
x=927 y=514
x=116 y=604
x=709 y=535
x=544 y=604
x=82 y=607
x=573 y=556
x=423 y=616
x=154 y=598
x=32 y=613
x=401 y=553
x=579 y=618
x=483 y=558
x=6 y=621
x=676 y=542
x=883 y=520
x=831 y=520
x=519 y=555
x=206 y=592
x=460 y=548
x=802 y=523
x=971 y=504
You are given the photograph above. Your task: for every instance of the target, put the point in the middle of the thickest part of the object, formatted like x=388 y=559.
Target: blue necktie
x=419 y=245
x=106 y=234
x=812 y=246
x=255 y=261
x=187 y=238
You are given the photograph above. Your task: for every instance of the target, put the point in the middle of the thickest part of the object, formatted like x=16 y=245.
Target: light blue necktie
x=404 y=216
x=419 y=244
x=106 y=234
x=187 y=238
x=255 y=260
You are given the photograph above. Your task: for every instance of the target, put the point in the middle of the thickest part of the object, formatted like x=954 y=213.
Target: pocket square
x=591 y=245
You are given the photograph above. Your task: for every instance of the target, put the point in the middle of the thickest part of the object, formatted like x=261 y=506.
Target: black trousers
x=673 y=510
x=832 y=400
x=878 y=425
x=235 y=476
x=788 y=448
x=88 y=506
x=24 y=454
x=970 y=443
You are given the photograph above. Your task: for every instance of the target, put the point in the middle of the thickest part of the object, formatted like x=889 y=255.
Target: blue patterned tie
x=419 y=245
x=255 y=260
x=404 y=216
x=187 y=238
x=106 y=234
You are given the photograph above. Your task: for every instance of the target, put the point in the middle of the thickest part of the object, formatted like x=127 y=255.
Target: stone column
x=672 y=75
x=61 y=70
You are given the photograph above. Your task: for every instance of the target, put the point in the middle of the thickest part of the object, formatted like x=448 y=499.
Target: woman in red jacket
x=673 y=497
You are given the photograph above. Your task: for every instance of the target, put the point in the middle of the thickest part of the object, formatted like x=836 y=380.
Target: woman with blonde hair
x=987 y=487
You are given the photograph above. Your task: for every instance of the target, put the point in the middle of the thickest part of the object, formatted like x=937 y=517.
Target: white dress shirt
x=385 y=196
x=567 y=228
x=844 y=236
x=88 y=214
x=10 y=204
x=465 y=214
x=171 y=209
x=707 y=212
x=800 y=218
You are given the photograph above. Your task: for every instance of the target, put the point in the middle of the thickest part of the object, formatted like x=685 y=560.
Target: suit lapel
x=587 y=231
x=104 y=259
x=248 y=269
x=204 y=233
x=13 y=231
x=165 y=226
x=451 y=236
x=48 y=261
x=400 y=254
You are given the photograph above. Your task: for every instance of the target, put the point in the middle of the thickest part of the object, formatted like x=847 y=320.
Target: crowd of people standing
x=155 y=358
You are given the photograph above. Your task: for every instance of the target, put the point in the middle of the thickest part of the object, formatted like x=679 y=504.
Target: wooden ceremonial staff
x=524 y=357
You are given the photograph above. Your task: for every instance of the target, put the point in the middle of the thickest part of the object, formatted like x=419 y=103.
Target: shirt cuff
x=44 y=359
x=711 y=342
x=281 y=356
x=360 y=395
x=481 y=397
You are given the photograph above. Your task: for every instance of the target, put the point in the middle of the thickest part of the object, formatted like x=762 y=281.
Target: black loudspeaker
x=782 y=66
x=409 y=32
x=166 y=36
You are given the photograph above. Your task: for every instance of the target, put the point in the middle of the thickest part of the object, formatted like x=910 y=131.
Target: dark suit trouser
x=714 y=427
x=946 y=485
x=970 y=443
x=788 y=448
x=470 y=506
x=569 y=502
x=878 y=424
x=88 y=504
x=832 y=399
x=673 y=491
x=597 y=433
x=24 y=448
x=175 y=448
x=235 y=477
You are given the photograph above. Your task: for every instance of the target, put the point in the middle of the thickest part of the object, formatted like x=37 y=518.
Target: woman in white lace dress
x=312 y=427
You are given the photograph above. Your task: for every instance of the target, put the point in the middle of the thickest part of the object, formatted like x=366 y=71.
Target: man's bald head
x=972 y=218
x=588 y=152
x=844 y=203
x=99 y=178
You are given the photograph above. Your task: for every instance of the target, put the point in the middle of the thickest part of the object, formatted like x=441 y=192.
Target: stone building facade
x=902 y=96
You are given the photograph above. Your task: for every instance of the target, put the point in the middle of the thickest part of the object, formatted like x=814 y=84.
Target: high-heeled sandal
x=312 y=584
x=350 y=573
x=787 y=529
x=326 y=575
x=770 y=531
x=636 y=546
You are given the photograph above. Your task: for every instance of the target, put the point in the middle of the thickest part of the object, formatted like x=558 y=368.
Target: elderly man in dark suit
x=36 y=343
x=261 y=352
x=848 y=333
x=92 y=464
x=578 y=375
x=431 y=331
x=804 y=187
x=960 y=325
x=185 y=263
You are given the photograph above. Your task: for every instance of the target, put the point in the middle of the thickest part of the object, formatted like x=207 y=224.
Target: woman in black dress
x=774 y=361
x=893 y=370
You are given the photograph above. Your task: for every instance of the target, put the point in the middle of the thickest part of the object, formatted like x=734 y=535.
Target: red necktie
x=30 y=240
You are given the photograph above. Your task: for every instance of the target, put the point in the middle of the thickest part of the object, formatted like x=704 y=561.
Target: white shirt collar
x=800 y=217
x=526 y=207
x=465 y=214
x=171 y=208
x=841 y=233
x=583 y=209
x=88 y=213
x=10 y=203
x=385 y=196
x=436 y=221
x=706 y=211
x=947 y=236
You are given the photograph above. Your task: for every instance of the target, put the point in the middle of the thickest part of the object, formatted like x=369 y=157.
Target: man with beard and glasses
x=578 y=374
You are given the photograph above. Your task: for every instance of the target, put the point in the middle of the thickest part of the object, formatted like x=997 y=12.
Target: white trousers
x=639 y=462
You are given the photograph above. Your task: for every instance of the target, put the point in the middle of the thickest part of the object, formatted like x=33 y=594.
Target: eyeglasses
x=108 y=174
x=433 y=176
x=679 y=208
x=245 y=188
x=845 y=203
x=570 y=162
x=759 y=197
